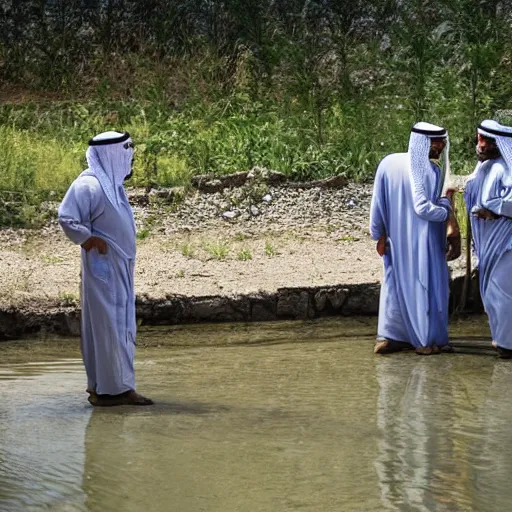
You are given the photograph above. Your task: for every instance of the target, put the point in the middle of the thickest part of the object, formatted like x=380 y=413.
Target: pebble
x=280 y=208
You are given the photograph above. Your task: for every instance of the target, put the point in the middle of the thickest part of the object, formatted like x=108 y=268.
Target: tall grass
x=29 y=162
x=461 y=214
x=43 y=146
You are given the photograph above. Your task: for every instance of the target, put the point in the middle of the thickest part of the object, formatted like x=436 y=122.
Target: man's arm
x=432 y=212
x=377 y=227
x=497 y=198
x=80 y=205
x=428 y=210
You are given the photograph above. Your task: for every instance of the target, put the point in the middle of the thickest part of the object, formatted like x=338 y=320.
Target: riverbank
x=263 y=250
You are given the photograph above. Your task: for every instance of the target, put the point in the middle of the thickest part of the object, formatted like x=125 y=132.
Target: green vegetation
x=244 y=255
x=310 y=89
x=142 y=234
x=218 y=250
x=187 y=250
x=270 y=250
x=461 y=214
x=69 y=298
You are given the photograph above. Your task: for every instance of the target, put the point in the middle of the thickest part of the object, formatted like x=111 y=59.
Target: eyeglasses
x=129 y=144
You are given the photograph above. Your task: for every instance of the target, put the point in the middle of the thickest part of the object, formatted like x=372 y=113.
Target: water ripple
x=295 y=420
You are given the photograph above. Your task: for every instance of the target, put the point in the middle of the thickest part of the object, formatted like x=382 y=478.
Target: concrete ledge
x=285 y=304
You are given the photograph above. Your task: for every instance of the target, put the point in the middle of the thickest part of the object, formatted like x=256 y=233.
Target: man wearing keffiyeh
x=409 y=218
x=488 y=196
x=96 y=215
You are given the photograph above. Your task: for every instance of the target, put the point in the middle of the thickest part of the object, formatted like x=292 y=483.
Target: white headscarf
x=110 y=159
x=503 y=137
x=419 y=162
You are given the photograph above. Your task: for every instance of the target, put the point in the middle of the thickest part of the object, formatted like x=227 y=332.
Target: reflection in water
x=42 y=430
x=298 y=424
x=429 y=420
x=257 y=428
x=493 y=453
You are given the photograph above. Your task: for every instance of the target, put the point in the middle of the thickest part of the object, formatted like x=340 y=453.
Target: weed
x=52 y=260
x=244 y=255
x=240 y=237
x=218 y=250
x=187 y=250
x=461 y=214
x=69 y=298
x=143 y=233
x=270 y=250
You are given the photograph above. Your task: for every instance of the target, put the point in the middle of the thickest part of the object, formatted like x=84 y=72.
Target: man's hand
x=453 y=248
x=449 y=193
x=381 y=245
x=485 y=214
x=452 y=238
x=95 y=242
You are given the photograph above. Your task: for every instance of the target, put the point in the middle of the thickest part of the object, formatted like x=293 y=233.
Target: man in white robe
x=96 y=215
x=488 y=196
x=408 y=218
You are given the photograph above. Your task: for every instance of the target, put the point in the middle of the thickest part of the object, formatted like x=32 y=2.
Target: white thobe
x=490 y=187
x=415 y=289
x=107 y=289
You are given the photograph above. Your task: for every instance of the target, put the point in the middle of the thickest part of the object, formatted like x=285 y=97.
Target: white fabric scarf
x=419 y=162
x=111 y=164
x=504 y=143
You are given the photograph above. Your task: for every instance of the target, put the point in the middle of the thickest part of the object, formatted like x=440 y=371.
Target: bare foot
x=384 y=346
x=428 y=351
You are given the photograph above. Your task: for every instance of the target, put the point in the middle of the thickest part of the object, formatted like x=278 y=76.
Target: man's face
x=130 y=146
x=436 y=147
x=486 y=148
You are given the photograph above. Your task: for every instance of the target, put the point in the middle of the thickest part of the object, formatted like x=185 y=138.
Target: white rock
x=230 y=215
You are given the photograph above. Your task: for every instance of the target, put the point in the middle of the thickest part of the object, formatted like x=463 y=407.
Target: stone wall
x=285 y=304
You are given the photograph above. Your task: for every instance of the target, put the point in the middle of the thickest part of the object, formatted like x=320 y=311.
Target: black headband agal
x=114 y=140
x=494 y=132
x=431 y=133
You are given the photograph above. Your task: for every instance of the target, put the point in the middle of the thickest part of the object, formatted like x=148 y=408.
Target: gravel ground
x=223 y=243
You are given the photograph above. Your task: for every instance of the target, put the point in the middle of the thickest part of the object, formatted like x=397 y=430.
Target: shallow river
x=266 y=417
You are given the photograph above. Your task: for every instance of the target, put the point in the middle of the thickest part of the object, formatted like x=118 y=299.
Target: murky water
x=268 y=417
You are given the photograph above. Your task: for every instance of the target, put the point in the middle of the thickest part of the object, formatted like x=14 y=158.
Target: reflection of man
x=489 y=198
x=492 y=460
x=409 y=221
x=428 y=449
x=95 y=214
x=404 y=463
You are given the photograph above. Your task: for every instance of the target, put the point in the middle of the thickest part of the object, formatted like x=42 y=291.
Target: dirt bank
x=249 y=253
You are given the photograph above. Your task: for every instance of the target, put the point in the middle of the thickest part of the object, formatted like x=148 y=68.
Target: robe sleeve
x=425 y=208
x=82 y=203
x=498 y=197
x=377 y=226
x=430 y=211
